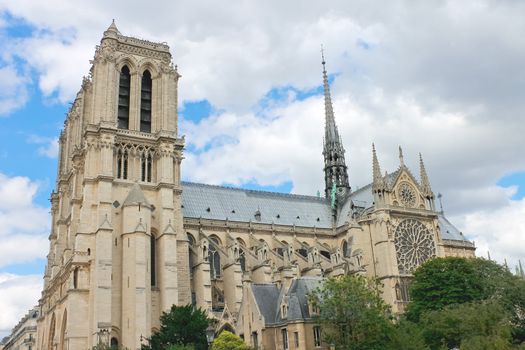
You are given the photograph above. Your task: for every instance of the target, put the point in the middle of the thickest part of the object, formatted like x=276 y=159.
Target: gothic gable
x=406 y=191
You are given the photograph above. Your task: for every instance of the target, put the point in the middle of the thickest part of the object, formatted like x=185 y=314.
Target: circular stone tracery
x=407 y=195
x=414 y=245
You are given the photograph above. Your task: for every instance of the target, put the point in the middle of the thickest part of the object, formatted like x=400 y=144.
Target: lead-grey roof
x=269 y=298
x=449 y=231
x=266 y=296
x=235 y=204
x=298 y=298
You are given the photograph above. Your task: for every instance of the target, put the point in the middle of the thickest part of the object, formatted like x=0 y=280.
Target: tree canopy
x=445 y=282
x=228 y=341
x=456 y=303
x=352 y=313
x=181 y=326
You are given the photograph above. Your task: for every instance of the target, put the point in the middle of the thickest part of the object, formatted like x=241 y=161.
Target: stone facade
x=24 y=334
x=129 y=239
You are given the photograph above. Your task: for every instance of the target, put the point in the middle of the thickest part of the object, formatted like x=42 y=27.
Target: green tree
x=229 y=341
x=181 y=326
x=443 y=282
x=478 y=325
x=352 y=313
x=449 y=281
x=407 y=336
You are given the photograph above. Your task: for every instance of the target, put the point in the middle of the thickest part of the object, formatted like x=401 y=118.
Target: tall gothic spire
x=425 y=183
x=335 y=168
x=378 y=183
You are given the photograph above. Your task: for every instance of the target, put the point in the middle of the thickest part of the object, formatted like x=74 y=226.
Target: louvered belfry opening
x=123 y=98
x=145 y=102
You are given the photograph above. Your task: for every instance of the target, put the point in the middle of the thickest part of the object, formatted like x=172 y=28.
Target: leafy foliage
x=479 y=325
x=352 y=313
x=181 y=326
x=228 y=341
x=444 y=282
x=407 y=336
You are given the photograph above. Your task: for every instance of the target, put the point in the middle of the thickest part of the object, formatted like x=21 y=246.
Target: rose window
x=407 y=195
x=414 y=245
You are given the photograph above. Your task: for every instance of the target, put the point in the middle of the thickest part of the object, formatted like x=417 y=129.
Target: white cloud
x=499 y=231
x=442 y=78
x=13 y=91
x=49 y=146
x=17 y=295
x=22 y=223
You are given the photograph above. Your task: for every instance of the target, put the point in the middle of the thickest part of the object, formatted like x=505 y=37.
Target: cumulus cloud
x=499 y=232
x=22 y=223
x=13 y=90
x=442 y=78
x=17 y=295
x=49 y=145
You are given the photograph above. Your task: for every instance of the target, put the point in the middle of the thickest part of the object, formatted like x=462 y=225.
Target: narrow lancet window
x=123 y=98
x=122 y=164
x=143 y=168
x=145 y=102
x=148 y=168
x=153 y=260
x=146 y=161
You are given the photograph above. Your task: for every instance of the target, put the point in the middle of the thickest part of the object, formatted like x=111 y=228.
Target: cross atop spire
x=335 y=168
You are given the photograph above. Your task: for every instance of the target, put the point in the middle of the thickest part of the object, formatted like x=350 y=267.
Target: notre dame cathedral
x=129 y=239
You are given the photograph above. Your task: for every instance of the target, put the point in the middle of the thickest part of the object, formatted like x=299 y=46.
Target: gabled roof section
x=266 y=296
x=235 y=204
x=269 y=298
x=136 y=197
x=448 y=230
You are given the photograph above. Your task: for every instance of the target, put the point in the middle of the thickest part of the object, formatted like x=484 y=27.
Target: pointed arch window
x=146 y=161
x=122 y=164
x=214 y=258
x=123 y=98
x=346 y=250
x=191 y=243
x=145 y=102
x=153 y=250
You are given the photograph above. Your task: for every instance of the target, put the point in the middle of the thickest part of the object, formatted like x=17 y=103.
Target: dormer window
x=284 y=310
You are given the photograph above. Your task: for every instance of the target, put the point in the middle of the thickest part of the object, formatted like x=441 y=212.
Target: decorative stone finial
x=112 y=30
x=378 y=184
x=401 y=159
x=425 y=183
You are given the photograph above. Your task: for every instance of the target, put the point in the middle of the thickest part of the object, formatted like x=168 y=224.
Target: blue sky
x=251 y=106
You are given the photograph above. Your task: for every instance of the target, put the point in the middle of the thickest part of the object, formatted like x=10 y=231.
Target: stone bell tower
x=117 y=257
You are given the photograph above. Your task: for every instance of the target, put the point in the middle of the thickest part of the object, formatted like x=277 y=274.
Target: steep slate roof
x=449 y=231
x=269 y=298
x=298 y=299
x=241 y=205
x=266 y=296
x=236 y=204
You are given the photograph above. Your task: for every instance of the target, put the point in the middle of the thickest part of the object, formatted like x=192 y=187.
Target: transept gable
x=406 y=190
